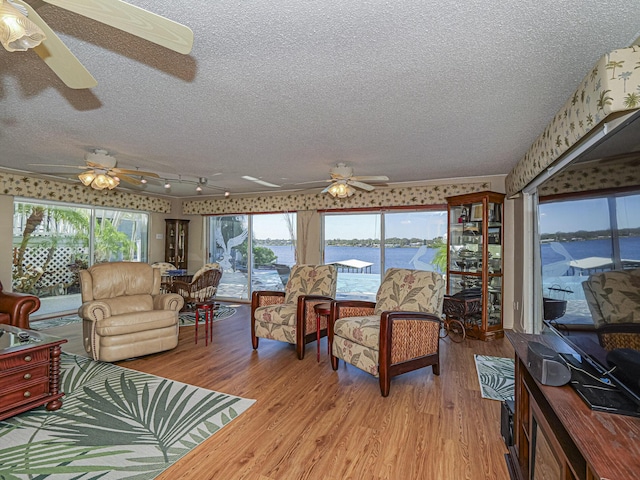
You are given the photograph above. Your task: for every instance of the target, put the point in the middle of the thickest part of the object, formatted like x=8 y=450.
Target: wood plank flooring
x=310 y=422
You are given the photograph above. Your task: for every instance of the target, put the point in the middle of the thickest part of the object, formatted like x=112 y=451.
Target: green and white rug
x=496 y=376
x=114 y=423
x=186 y=319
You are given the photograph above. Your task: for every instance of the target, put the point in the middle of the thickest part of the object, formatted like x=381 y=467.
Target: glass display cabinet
x=474 y=263
x=176 y=242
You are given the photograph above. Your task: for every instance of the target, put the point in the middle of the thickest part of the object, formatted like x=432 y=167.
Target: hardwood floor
x=310 y=422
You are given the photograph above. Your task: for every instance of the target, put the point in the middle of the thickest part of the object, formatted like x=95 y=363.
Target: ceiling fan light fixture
x=17 y=32
x=341 y=190
x=99 y=181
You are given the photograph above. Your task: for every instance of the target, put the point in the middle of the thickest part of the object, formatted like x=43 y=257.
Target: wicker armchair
x=201 y=288
x=396 y=334
x=289 y=316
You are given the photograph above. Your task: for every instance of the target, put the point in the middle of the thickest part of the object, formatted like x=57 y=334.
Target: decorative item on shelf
x=464 y=216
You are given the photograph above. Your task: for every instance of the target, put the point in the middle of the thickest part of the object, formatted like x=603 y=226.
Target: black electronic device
x=626 y=365
x=546 y=366
x=506 y=422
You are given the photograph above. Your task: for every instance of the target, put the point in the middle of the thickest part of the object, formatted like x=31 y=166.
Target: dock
x=353 y=266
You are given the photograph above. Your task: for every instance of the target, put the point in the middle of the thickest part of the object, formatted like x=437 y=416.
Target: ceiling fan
x=100 y=171
x=116 y=13
x=344 y=182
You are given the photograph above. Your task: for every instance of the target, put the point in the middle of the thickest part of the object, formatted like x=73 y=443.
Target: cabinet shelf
x=474 y=258
x=177 y=242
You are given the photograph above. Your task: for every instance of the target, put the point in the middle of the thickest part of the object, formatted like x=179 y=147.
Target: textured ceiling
x=282 y=90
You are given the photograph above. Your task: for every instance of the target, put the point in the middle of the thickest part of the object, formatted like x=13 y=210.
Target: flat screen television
x=601 y=384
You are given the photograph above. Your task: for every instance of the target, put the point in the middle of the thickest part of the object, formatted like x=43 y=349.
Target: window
x=580 y=236
x=53 y=241
x=271 y=239
x=364 y=245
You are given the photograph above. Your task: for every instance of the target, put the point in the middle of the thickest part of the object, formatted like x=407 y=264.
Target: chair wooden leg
x=334 y=362
x=300 y=350
x=385 y=385
x=436 y=368
x=254 y=340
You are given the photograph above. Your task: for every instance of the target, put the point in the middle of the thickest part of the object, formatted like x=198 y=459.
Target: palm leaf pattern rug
x=114 y=423
x=496 y=376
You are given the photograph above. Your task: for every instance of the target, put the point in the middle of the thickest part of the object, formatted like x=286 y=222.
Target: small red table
x=322 y=310
x=208 y=309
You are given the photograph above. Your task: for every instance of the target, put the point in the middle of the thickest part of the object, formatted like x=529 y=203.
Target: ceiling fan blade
x=128 y=179
x=374 y=178
x=134 y=20
x=325 y=190
x=57 y=166
x=363 y=186
x=260 y=182
x=58 y=57
x=127 y=171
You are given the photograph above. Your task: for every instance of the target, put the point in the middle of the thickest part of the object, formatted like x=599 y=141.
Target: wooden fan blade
x=374 y=178
x=325 y=190
x=58 y=57
x=134 y=20
x=363 y=186
x=128 y=179
x=57 y=166
x=127 y=171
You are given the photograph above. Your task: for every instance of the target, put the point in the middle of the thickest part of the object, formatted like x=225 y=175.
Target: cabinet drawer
x=19 y=359
x=25 y=395
x=13 y=378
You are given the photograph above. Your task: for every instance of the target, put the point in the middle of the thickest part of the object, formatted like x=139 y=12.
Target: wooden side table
x=208 y=309
x=322 y=310
x=29 y=371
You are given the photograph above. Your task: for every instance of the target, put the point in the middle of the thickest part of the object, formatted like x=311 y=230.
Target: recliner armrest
x=168 y=301
x=94 y=311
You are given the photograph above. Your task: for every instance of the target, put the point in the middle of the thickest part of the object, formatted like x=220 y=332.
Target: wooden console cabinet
x=558 y=437
x=29 y=371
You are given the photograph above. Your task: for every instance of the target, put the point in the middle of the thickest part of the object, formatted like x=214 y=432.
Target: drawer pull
x=27 y=394
x=27 y=376
x=27 y=358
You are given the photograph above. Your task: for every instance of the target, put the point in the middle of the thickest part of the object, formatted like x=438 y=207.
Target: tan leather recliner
x=124 y=314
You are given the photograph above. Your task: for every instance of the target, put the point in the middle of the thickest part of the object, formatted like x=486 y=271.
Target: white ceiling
x=283 y=90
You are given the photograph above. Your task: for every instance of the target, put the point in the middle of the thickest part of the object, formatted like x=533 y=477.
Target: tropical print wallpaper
x=380 y=197
x=613 y=85
x=24 y=186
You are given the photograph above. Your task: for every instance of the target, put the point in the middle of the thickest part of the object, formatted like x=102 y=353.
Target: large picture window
x=364 y=245
x=53 y=241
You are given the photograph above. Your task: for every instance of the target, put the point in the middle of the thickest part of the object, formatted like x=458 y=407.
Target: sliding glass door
x=256 y=252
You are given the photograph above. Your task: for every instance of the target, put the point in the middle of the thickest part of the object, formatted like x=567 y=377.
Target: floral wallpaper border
x=380 y=197
x=31 y=187
x=613 y=85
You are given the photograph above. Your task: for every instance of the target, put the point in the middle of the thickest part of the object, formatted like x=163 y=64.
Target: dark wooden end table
x=322 y=310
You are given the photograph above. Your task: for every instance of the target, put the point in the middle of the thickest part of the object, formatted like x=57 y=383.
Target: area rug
x=114 y=423
x=496 y=376
x=186 y=319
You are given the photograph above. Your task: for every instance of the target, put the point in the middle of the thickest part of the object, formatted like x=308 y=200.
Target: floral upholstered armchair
x=289 y=316
x=396 y=334
x=614 y=302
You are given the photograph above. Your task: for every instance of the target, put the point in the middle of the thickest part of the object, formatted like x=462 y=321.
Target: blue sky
x=402 y=224
x=589 y=215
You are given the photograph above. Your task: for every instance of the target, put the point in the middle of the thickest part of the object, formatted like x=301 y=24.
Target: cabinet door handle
x=27 y=358
x=27 y=376
x=27 y=394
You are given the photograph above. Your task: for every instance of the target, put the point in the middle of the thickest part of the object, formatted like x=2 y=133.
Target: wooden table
x=556 y=430
x=208 y=309
x=29 y=371
x=322 y=310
